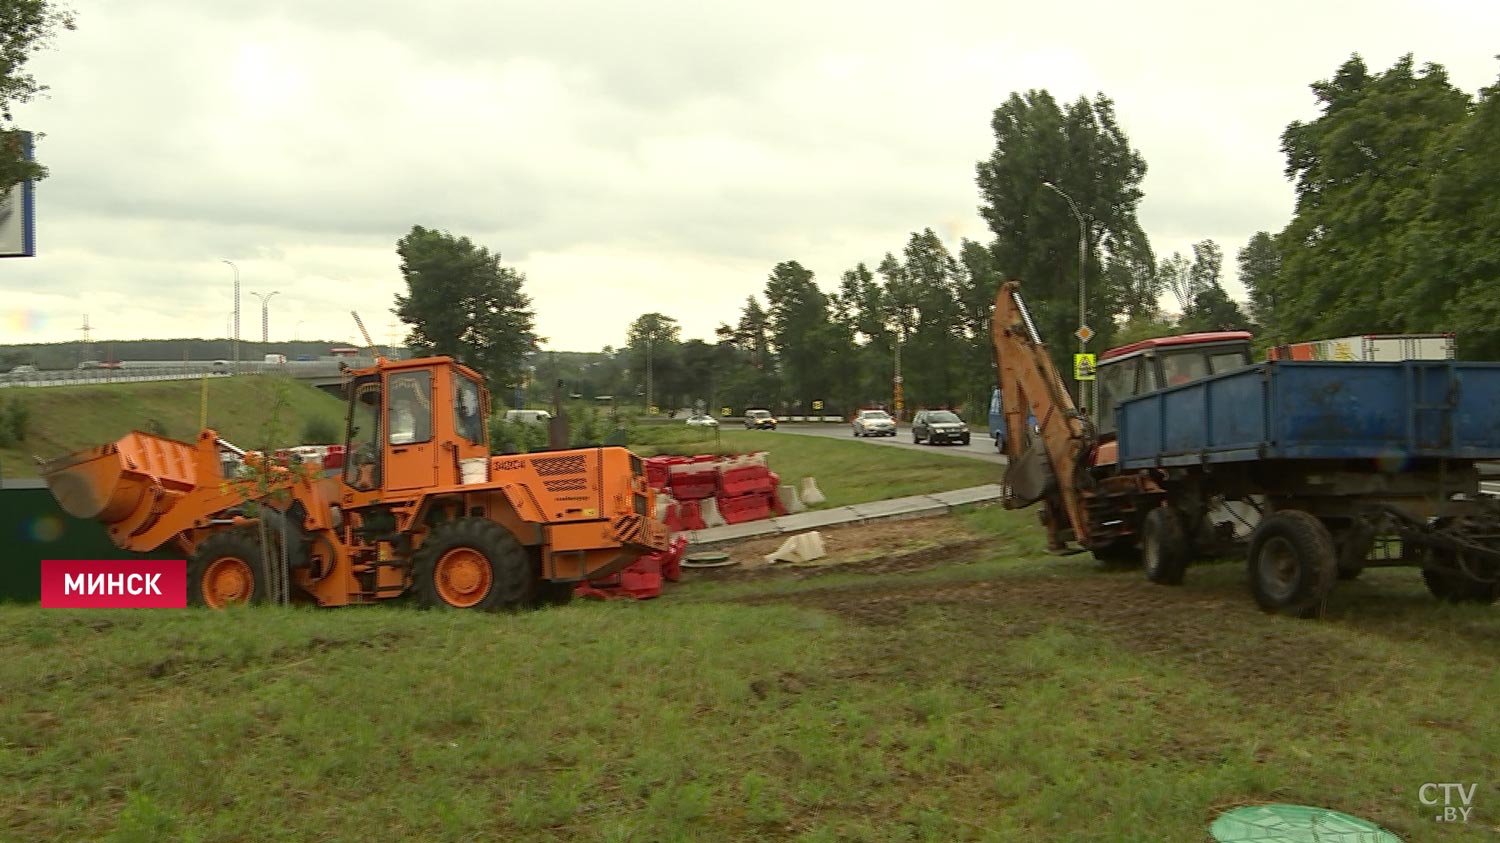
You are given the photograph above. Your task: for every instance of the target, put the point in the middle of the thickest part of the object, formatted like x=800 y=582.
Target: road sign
x=1083 y=367
x=898 y=379
x=726 y=411
x=817 y=405
x=1084 y=334
x=900 y=405
x=653 y=409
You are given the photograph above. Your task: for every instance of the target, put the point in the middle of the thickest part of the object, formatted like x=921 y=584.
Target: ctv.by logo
x=1457 y=800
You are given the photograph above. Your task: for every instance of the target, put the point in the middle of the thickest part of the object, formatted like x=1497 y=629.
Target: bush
x=15 y=417
x=155 y=427
x=507 y=437
x=319 y=430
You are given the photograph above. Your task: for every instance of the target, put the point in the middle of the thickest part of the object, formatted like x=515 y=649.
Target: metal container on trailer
x=1318 y=410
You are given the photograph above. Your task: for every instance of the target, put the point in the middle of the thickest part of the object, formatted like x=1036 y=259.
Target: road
x=980 y=447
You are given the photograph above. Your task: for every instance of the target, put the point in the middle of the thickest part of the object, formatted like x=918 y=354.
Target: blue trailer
x=1347 y=465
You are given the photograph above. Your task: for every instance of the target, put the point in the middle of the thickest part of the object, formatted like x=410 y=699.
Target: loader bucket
x=126 y=485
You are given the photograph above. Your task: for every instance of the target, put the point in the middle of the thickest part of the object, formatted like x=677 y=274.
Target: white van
x=528 y=416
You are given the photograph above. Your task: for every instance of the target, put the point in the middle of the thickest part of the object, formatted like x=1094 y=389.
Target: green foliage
x=1363 y=172
x=516 y=437
x=1145 y=328
x=1213 y=310
x=157 y=428
x=26 y=26
x=1082 y=150
x=1260 y=268
x=321 y=430
x=461 y=302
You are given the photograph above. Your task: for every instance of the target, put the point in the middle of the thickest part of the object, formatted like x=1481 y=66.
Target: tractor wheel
x=1293 y=566
x=1164 y=548
x=1452 y=586
x=472 y=563
x=227 y=568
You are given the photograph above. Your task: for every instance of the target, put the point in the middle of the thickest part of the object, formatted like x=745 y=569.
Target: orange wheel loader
x=420 y=505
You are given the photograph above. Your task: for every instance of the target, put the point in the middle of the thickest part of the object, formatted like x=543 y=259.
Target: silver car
x=874 y=423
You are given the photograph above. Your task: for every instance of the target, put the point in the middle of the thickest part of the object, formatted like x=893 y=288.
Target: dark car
x=759 y=420
x=937 y=426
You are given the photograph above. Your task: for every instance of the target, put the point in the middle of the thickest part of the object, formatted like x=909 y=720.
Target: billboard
x=18 y=213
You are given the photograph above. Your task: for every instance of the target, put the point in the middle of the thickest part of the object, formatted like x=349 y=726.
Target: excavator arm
x=1044 y=467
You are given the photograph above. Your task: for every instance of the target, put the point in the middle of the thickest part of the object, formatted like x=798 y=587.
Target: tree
x=26 y=26
x=1213 y=310
x=1082 y=150
x=653 y=342
x=461 y=302
x=1455 y=242
x=1362 y=171
x=1174 y=275
x=805 y=340
x=1260 y=266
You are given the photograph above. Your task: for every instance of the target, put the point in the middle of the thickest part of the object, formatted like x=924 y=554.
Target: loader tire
x=473 y=563
x=1164 y=547
x=227 y=568
x=1452 y=586
x=1293 y=565
x=555 y=593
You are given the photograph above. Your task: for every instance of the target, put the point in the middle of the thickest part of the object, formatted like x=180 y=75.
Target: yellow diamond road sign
x=1085 y=333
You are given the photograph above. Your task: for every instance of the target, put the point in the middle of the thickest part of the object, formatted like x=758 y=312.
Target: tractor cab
x=412 y=423
x=1149 y=365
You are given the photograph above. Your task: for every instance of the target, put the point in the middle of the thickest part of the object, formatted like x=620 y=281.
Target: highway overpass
x=324 y=374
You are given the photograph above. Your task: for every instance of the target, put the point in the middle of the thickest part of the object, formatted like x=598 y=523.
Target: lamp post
x=265 y=315
x=648 y=371
x=236 y=314
x=297 y=332
x=1083 y=329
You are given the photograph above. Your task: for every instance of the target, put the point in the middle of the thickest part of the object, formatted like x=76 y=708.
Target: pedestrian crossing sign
x=1083 y=367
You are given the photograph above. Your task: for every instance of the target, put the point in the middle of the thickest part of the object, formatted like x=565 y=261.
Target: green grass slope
x=68 y=418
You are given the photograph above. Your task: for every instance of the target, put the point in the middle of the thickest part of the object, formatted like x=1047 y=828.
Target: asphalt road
x=980 y=446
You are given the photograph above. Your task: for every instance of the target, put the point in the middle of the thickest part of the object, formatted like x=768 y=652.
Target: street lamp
x=265 y=314
x=297 y=332
x=1083 y=329
x=236 y=313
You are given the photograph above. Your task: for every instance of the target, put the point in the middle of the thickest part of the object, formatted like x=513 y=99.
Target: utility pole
x=236 y=314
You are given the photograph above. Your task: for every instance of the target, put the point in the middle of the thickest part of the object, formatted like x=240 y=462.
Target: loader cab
x=411 y=423
x=1154 y=364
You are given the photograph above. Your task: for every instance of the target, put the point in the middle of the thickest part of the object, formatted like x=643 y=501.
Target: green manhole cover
x=1295 y=824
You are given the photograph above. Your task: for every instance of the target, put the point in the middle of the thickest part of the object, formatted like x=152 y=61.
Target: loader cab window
x=411 y=408
x=1228 y=361
x=366 y=445
x=468 y=409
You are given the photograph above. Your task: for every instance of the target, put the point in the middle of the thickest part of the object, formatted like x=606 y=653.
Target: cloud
x=627 y=158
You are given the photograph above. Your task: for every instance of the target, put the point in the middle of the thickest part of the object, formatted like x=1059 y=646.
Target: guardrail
x=304 y=369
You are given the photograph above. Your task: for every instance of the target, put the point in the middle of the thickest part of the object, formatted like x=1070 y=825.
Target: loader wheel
x=472 y=563
x=555 y=593
x=227 y=568
x=1164 y=549
x=1293 y=566
x=1452 y=586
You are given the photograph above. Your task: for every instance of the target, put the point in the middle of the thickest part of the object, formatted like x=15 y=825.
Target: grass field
x=64 y=419
x=846 y=471
x=984 y=694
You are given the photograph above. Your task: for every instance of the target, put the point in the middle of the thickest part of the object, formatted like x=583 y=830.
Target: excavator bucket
x=129 y=484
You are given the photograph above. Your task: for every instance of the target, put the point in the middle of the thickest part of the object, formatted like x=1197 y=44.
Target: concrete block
x=813 y=520
x=973 y=494
x=916 y=506
x=733 y=532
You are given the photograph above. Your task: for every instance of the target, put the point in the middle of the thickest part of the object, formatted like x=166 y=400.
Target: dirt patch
x=876 y=547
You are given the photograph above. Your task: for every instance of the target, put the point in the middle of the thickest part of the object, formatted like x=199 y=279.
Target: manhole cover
x=710 y=559
x=1295 y=824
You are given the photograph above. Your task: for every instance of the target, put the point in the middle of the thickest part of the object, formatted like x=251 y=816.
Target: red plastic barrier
x=738 y=510
x=335 y=457
x=778 y=508
x=671 y=563
x=690 y=516
x=695 y=486
x=642 y=580
x=744 y=480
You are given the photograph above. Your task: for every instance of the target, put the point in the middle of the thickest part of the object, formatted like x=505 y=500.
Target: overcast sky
x=627 y=157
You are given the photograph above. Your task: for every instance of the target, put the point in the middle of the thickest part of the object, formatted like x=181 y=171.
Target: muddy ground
x=1210 y=624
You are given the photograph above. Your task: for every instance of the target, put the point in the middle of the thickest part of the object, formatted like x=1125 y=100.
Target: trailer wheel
x=1452 y=586
x=1164 y=548
x=227 y=568
x=1292 y=564
x=472 y=563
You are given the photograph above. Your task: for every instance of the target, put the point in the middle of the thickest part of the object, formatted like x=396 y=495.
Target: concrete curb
x=916 y=506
